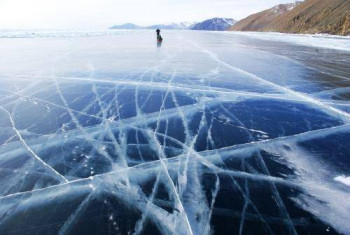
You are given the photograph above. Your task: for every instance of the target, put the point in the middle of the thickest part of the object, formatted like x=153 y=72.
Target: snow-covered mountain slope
x=181 y=25
x=126 y=26
x=215 y=24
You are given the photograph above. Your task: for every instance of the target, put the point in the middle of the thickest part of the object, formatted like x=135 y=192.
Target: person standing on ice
x=159 y=38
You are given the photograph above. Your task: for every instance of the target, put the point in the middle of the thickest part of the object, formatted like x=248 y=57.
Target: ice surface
x=314 y=40
x=207 y=133
x=62 y=33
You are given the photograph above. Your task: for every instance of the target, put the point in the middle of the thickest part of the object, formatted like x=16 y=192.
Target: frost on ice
x=97 y=137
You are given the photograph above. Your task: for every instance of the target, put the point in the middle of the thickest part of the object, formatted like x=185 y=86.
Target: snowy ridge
x=215 y=24
x=179 y=26
x=282 y=8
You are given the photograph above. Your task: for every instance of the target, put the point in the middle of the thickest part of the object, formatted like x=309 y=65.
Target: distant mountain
x=126 y=26
x=181 y=25
x=215 y=24
x=310 y=16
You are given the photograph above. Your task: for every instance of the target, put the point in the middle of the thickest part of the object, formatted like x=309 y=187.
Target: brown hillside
x=258 y=21
x=311 y=16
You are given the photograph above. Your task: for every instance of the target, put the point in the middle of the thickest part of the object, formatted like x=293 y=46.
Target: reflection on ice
x=114 y=135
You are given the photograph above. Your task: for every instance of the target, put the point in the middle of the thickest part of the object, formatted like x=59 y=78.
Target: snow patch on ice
x=343 y=179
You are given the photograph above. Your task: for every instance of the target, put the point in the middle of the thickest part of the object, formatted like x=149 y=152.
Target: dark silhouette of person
x=158 y=32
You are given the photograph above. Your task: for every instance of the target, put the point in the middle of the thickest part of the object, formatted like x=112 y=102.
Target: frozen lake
x=224 y=133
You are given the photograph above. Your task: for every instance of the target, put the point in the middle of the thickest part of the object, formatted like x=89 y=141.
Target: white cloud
x=99 y=14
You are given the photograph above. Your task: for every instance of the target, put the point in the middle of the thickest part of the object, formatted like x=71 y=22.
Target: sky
x=101 y=14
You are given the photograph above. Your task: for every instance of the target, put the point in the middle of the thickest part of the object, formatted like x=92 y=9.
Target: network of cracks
x=147 y=154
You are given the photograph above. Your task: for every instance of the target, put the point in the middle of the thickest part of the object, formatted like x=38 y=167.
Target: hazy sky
x=100 y=14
